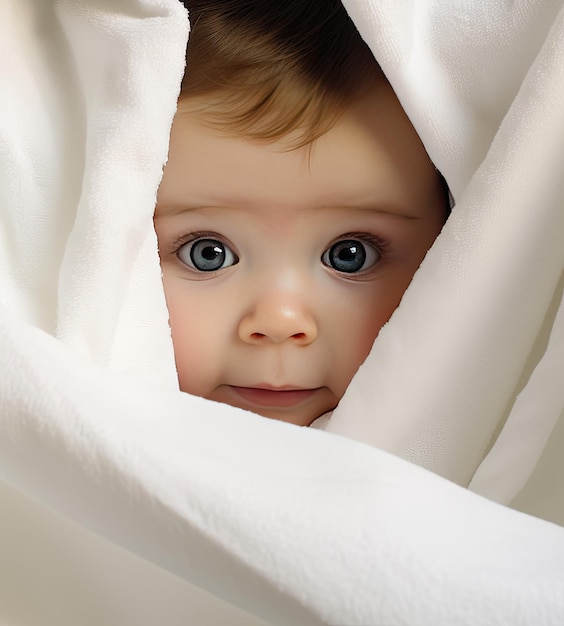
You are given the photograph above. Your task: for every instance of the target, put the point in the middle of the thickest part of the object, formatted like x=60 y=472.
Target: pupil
x=211 y=252
x=347 y=256
x=208 y=255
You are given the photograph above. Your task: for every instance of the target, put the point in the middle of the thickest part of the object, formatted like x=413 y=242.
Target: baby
x=296 y=205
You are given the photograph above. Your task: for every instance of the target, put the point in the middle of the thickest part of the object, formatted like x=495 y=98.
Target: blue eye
x=207 y=255
x=350 y=256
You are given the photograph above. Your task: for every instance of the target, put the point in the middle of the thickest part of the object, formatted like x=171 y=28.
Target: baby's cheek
x=194 y=347
x=362 y=342
x=190 y=364
x=365 y=321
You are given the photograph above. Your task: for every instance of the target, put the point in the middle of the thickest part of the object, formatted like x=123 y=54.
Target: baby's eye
x=350 y=256
x=207 y=255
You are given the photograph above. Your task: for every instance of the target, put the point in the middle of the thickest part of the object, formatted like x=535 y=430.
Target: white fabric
x=477 y=346
x=125 y=502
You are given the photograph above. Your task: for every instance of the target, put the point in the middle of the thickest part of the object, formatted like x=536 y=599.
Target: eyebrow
x=176 y=208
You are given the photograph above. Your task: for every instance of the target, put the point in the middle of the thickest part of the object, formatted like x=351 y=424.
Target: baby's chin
x=298 y=420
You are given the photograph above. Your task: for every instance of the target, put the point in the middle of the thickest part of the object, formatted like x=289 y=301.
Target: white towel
x=125 y=502
x=479 y=338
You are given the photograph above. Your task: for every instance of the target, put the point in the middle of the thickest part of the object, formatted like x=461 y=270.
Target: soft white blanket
x=124 y=502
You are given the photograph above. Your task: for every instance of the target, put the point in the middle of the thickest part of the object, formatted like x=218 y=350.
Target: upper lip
x=269 y=387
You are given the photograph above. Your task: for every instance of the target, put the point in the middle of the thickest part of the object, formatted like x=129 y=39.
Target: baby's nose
x=279 y=317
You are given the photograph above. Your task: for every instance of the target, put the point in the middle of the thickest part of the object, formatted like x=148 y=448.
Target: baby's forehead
x=366 y=161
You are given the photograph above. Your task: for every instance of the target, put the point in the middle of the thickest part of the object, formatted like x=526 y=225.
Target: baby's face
x=280 y=266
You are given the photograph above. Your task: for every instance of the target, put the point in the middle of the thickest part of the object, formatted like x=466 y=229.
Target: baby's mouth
x=265 y=395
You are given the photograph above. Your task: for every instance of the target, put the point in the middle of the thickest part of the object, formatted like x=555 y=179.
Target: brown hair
x=263 y=69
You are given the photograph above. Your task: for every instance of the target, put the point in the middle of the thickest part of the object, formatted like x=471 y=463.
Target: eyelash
x=381 y=245
x=193 y=236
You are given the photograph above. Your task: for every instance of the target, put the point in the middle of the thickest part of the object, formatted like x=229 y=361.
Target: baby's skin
x=280 y=265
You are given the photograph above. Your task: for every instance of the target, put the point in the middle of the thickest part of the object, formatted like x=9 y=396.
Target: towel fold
x=477 y=340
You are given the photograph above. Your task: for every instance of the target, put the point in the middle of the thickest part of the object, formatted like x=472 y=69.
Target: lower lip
x=271 y=398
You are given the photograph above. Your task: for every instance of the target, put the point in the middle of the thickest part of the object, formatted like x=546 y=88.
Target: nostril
x=260 y=337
